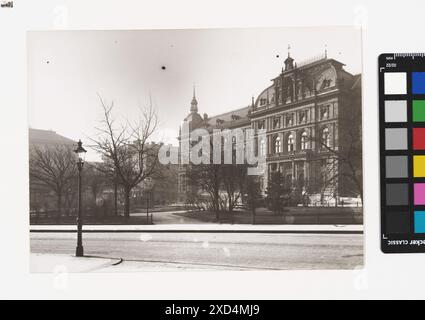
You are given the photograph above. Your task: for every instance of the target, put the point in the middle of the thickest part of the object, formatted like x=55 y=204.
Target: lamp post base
x=79 y=252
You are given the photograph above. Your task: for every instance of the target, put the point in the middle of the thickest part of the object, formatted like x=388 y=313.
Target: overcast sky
x=68 y=69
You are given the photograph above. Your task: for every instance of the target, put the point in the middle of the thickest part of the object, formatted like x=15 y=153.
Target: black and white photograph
x=195 y=149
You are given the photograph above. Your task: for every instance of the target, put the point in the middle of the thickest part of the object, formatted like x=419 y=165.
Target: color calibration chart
x=402 y=146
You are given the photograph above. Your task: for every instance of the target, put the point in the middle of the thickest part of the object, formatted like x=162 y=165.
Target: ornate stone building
x=312 y=116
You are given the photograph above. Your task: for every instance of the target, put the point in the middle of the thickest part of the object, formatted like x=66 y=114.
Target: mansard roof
x=232 y=118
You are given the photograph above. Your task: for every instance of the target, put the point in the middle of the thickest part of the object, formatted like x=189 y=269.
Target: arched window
x=290 y=143
x=262 y=147
x=304 y=141
x=326 y=137
x=233 y=143
x=277 y=145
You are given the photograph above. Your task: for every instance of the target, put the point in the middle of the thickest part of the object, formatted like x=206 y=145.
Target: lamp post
x=81 y=153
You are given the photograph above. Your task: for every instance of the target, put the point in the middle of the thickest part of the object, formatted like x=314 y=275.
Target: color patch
x=419 y=138
x=418 y=110
x=397 y=222
x=395 y=83
x=419 y=166
x=396 y=139
x=397 y=194
x=418 y=82
x=419 y=221
x=396 y=166
x=419 y=194
x=395 y=111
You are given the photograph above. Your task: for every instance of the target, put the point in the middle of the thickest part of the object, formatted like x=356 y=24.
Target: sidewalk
x=191 y=228
x=61 y=263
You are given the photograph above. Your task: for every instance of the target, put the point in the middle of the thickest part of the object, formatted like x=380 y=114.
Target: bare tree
x=108 y=171
x=233 y=180
x=53 y=167
x=253 y=194
x=345 y=162
x=206 y=179
x=278 y=193
x=95 y=179
x=126 y=149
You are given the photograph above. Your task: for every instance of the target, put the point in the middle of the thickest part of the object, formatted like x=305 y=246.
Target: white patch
x=145 y=237
x=205 y=244
x=226 y=252
x=60 y=280
x=361 y=280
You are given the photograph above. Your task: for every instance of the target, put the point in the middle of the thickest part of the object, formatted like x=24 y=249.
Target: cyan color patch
x=419 y=221
x=418 y=82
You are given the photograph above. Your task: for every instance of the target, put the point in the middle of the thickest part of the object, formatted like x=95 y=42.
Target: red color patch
x=419 y=138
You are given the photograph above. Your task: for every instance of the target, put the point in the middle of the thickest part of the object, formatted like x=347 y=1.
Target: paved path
x=168 y=217
x=196 y=251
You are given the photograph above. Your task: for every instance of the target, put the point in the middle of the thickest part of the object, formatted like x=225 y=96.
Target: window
x=277 y=145
x=263 y=101
x=262 y=147
x=290 y=120
x=303 y=116
x=304 y=141
x=290 y=143
x=276 y=122
x=324 y=113
x=261 y=124
x=326 y=83
x=326 y=138
x=183 y=183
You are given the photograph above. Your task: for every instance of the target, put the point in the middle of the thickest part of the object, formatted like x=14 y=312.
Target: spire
x=252 y=103
x=194 y=103
x=326 y=51
x=289 y=62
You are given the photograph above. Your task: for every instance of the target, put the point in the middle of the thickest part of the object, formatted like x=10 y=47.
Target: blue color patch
x=418 y=82
x=419 y=221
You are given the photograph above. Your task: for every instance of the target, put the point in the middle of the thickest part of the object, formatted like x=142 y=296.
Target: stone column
x=293 y=171
x=269 y=145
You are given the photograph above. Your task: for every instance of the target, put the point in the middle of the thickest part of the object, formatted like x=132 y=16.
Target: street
x=127 y=252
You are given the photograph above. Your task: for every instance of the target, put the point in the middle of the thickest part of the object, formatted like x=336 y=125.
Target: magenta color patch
x=419 y=193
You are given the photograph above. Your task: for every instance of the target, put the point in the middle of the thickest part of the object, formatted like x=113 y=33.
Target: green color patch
x=419 y=111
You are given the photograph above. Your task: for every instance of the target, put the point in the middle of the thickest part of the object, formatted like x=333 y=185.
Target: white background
x=388 y=26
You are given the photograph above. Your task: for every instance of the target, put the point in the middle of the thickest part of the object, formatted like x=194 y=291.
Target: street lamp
x=81 y=154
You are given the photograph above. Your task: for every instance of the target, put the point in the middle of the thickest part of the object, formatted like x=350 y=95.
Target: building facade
x=311 y=113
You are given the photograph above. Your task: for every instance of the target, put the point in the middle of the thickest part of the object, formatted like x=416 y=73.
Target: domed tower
x=289 y=62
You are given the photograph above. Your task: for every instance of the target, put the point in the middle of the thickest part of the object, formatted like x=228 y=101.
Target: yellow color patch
x=419 y=166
